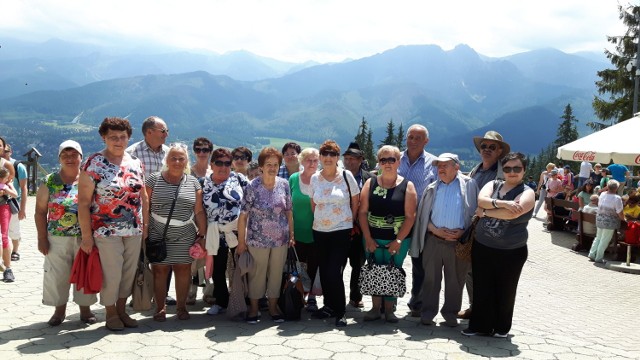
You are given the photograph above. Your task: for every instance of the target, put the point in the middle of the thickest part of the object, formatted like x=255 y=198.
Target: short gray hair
x=149 y=123
x=612 y=185
x=306 y=152
x=419 y=127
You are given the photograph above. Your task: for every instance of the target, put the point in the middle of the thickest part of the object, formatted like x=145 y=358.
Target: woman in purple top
x=265 y=229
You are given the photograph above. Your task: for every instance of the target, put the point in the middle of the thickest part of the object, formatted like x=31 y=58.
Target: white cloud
x=327 y=30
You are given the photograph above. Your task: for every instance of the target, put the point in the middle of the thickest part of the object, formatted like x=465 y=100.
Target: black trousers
x=356 y=260
x=308 y=253
x=417 y=278
x=220 y=289
x=333 y=248
x=496 y=273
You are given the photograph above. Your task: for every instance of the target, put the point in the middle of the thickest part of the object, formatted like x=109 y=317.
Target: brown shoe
x=128 y=321
x=114 y=323
x=89 y=318
x=56 y=320
x=160 y=316
x=183 y=314
x=390 y=317
x=465 y=314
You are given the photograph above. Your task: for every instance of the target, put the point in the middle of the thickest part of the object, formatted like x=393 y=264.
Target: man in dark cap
x=353 y=158
x=492 y=148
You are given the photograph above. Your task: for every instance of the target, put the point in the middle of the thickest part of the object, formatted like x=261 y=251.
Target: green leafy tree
x=400 y=138
x=390 y=138
x=567 y=131
x=616 y=86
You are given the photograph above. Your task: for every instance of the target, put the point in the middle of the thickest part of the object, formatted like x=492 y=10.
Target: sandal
x=89 y=319
x=128 y=321
x=160 y=316
x=56 y=320
x=114 y=323
x=15 y=256
x=183 y=314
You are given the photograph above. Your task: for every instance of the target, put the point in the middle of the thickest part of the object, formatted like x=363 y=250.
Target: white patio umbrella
x=618 y=143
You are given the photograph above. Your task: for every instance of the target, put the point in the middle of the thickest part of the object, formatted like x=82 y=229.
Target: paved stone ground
x=567 y=308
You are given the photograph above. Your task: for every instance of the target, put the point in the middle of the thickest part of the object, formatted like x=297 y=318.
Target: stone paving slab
x=566 y=308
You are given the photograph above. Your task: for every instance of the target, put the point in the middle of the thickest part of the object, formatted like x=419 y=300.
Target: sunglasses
x=178 y=145
x=329 y=153
x=492 y=147
x=240 y=157
x=222 y=163
x=163 y=130
x=389 y=160
x=510 y=169
x=199 y=150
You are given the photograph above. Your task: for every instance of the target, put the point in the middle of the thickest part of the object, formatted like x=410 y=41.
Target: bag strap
x=344 y=174
x=173 y=205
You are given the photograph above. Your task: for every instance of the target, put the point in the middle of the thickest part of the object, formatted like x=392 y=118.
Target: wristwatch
x=399 y=241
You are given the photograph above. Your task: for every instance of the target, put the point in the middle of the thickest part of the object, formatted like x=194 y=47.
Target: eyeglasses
x=240 y=157
x=492 y=147
x=163 y=130
x=329 y=153
x=199 y=150
x=515 y=169
x=389 y=160
x=178 y=145
x=222 y=163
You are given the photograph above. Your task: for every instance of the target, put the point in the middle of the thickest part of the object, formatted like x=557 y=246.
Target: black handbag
x=157 y=250
x=382 y=280
x=14 y=206
x=291 y=299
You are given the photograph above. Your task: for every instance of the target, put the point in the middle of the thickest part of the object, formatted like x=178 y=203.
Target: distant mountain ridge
x=456 y=94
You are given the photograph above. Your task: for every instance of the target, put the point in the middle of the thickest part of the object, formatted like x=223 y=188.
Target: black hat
x=354 y=150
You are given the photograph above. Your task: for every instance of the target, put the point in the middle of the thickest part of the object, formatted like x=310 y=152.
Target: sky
x=319 y=30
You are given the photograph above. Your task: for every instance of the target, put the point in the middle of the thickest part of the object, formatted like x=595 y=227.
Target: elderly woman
x=111 y=206
x=202 y=148
x=59 y=234
x=241 y=157
x=265 y=228
x=500 y=248
x=610 y=212
x=174 y=193
x=334 y=200
x=300 y=185
x=291 y=164
x=386 y=214
x=222 y=196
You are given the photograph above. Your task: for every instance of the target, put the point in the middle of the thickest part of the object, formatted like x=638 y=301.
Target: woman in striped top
x=187 y=225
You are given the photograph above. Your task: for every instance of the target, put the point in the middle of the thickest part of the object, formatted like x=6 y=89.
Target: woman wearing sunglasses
x=222 y=196
x=202 y=148
x=500 y=248
x=386 y=215
x=334 y=201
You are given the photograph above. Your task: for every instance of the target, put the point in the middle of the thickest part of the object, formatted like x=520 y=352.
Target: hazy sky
x=320 y=30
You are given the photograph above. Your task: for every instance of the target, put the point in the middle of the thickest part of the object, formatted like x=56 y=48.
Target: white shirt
x=585 y=169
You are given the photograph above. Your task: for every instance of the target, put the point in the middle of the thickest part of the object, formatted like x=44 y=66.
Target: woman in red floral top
x=111 y=204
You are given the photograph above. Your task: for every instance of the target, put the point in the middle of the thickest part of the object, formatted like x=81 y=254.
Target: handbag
x=156 y=251
x=632 y=235
x=291 y=300
x=465 y=243
x=14 y=206
x=382 y=279
x=302 y=272
x=142 y=292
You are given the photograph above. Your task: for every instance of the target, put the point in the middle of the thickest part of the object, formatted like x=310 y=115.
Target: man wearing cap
x=415 y=166
x=491 y=148
x=352 y=159
x=151 y=151
x=20 y=185
x=445 y=211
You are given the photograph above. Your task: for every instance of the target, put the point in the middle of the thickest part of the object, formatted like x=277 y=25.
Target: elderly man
x=151 y=151
x=445 y=211
x=352 y=159
x=152 y=148
x=491 y=148
x=415 y=166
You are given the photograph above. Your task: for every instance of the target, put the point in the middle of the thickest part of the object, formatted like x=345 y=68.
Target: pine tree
x=390 y=138
x=369 y=153
x=567 y=131
x=618 y=83
x=400 y=138
x=361 y=136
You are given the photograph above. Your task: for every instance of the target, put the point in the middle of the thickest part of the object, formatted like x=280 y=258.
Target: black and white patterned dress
x=179 y=238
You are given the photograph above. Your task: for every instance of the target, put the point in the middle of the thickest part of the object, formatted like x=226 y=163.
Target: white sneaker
x=215 y=310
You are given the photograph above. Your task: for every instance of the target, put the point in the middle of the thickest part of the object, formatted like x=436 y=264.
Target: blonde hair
x=389 y=148
x=306 y=152
x=177 y=147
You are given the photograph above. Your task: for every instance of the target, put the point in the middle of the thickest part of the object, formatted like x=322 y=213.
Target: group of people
x=414 y=203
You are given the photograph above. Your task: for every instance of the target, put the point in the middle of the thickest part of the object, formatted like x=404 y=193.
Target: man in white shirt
x=585 y=172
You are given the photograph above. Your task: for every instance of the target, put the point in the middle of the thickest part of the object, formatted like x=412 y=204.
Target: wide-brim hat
x=493 y=136
x=354 y=150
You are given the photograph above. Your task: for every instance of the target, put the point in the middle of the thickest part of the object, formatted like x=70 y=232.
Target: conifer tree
x=567 y=131
x=390 y=138
x=400 y=138
x=369 y=151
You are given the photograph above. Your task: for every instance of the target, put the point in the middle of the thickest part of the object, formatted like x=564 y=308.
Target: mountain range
x=241 y=99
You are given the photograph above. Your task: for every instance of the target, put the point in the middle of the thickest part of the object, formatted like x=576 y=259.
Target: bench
x=584 y=240
x=557 y=221
x=629 y=246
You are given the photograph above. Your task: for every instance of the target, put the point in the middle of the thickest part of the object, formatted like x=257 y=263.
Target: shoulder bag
x=157 y=250
x=142 y=292
x=382 y=280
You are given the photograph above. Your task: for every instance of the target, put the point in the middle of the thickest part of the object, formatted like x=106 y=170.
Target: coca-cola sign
x=637 y=160
x=588 y=156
